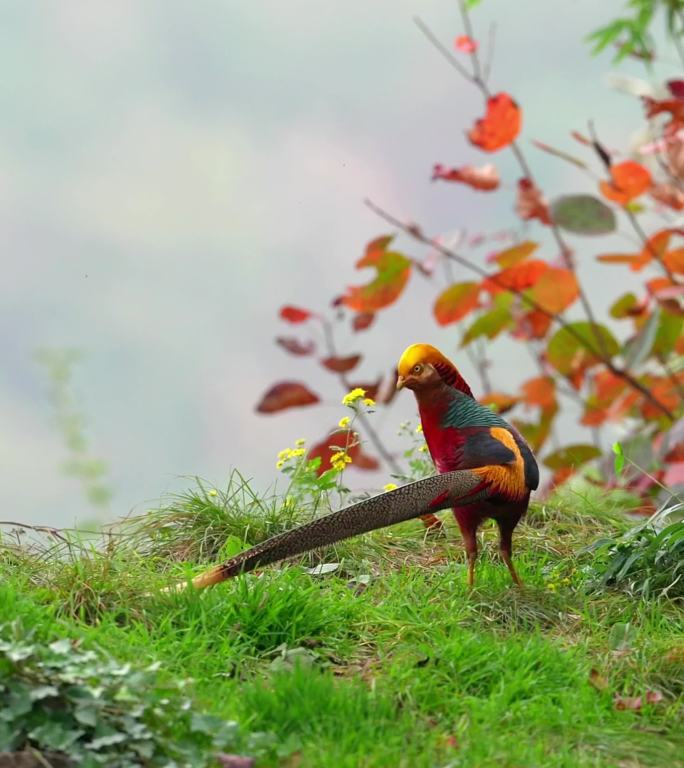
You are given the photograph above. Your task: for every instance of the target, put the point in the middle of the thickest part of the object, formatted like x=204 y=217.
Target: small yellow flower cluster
x=344 y=422
x=419 y=428
x=389 y=487
x=423 y=448
x=340 y=460
x=351 y=397
x=552 y=586
x=290 y=453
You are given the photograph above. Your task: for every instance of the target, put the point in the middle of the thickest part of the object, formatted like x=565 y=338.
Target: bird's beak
x=400 y=382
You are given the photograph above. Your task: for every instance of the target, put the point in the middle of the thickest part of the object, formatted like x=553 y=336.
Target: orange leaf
x=500 y=401
x=484 y=179
x=294 y=314
x=556 y=289
x=393 y=272
x=341 y=364
x=515 y=254
x=532 y=325
x=655 y=247
x=456 y=302
x=516 y=278
x=500 y=125
x=628 y=181
x=286 y=394
x=674 y=260
x=530 y=203
x=465 y=44
x=540 y=391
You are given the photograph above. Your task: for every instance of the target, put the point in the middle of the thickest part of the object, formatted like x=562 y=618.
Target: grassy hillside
x=387 y=660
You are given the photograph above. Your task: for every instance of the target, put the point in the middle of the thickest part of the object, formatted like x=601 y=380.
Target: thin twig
x=491 y=43
x=365 y=421
x=448 y=55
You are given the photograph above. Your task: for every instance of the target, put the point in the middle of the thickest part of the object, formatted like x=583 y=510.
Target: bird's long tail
x=404 y=503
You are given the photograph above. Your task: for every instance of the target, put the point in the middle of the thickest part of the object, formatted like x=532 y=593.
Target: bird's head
x=423 y=366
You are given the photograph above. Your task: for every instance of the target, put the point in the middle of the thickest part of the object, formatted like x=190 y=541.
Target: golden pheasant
x=486 y=470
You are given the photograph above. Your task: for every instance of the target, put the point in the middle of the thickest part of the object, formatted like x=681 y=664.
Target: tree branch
x=414 y=232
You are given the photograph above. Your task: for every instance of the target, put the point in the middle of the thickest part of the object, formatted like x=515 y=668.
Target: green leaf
x=669 y=330
x=623 y=305
x=583 y=215
x=55 y=735
x=619 y=462
x=491 y=323
x=571 y=456
x=576 y=347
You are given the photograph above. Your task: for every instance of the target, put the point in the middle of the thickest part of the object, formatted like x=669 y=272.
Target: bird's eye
x=417 y=368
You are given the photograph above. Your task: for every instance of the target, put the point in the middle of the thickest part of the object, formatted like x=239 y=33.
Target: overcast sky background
x=172 y=173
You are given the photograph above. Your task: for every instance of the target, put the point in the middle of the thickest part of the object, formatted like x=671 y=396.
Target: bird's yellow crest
x=421 y=353
x=427 y=354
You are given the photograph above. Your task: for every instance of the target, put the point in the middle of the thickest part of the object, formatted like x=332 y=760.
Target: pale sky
x=174 y=172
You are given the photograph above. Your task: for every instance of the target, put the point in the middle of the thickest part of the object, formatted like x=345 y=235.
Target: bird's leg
x=432 y=523
x=506 y=547
x=468 y=525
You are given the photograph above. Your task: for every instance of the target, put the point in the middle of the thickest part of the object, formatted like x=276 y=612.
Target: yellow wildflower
x=296 y=453
x=337 y=456
x=284 y=454
x=389 y=487
x=280 y=464
x=552 y=587
x=369 y=402
x=419 y=428
x=423 y=449
x=213 y=492
x=300 y=441
x=351 y=397
x=343 y=423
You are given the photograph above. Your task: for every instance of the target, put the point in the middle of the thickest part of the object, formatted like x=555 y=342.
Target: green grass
x=403 y=667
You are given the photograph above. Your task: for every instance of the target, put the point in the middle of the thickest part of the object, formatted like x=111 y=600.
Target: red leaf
x=393 y=272
x=674 y=107
x=456 y=302
x=484 y=179
x=628 y=181
x=363 y=320
x=342 y=439
x=668 y=195
x=341 y=364
x=294 y=314
x=295 y=346
x=516 y=278
x=676 y=453
x=500 y=125
x=636 y=703
x=556 y=289
x=465 y=44
x=530 y=203
x=676 y=88
x=286 y=394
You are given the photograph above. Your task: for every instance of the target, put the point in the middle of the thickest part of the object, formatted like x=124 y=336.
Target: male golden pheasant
x=486 y=470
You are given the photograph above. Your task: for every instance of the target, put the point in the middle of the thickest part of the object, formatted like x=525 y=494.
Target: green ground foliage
x=385 y=660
